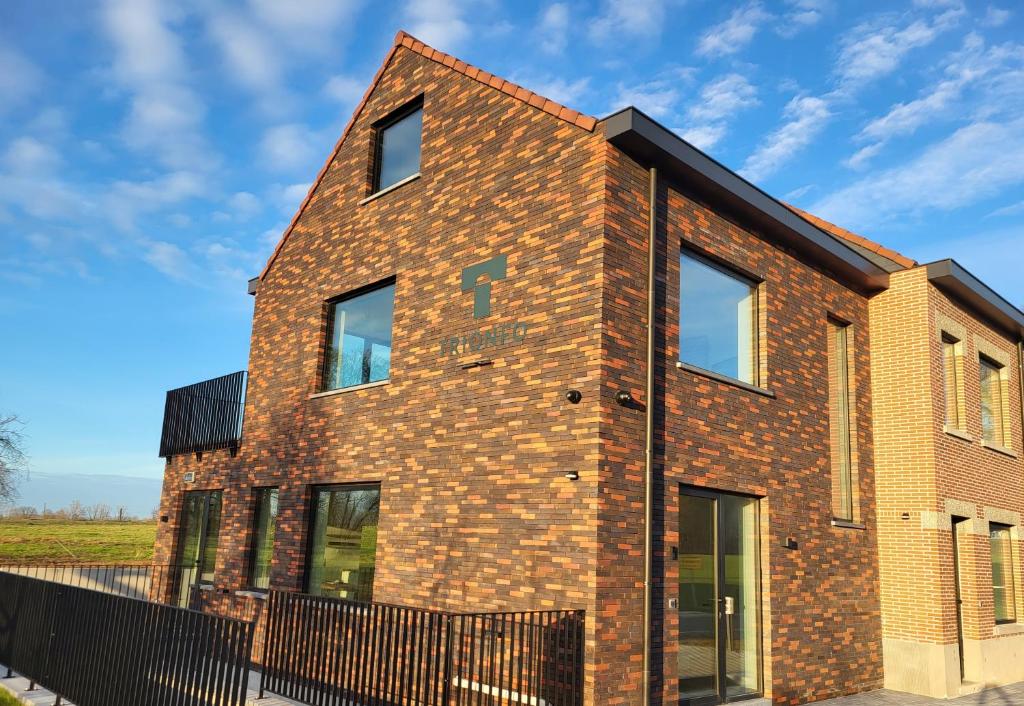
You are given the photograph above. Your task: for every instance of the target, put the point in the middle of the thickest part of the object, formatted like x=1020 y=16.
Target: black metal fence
x=331 y=651
x=99 y=649
x=204 y=416
x=130 y=580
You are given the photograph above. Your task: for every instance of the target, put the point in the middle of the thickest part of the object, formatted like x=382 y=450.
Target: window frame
x=845 y=373
x=755 y=284
x=379 y=128
x=327 y=317
x=1000 y=406
x=257 y=495
x=315 y=490
x=1010 y=586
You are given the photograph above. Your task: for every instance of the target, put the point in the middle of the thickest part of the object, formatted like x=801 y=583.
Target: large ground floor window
x=343 y=545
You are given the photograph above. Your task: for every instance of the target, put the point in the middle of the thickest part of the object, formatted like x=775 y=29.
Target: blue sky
x=151 y=153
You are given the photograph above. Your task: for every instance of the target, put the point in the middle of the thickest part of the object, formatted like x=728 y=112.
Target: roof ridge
x=407 y=41
x=850 y=236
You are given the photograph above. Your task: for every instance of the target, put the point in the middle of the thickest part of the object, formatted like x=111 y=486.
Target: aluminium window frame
x=255 y=506
x=1011 y=574
x=1002 y=404
x=327 y=317
x=379 y=128
x=311 y=508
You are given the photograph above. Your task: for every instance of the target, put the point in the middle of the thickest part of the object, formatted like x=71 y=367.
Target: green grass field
x=7 y=700
x=71 y=542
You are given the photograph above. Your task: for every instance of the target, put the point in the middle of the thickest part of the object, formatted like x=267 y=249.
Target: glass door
x=197 y=547
x=719 y=602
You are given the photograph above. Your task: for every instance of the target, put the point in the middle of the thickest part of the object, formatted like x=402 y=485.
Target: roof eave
x=952 y=278
x=652 y=144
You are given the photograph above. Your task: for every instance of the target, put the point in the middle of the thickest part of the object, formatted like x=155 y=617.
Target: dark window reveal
x=359 y=339
x=344 y=541
x=398 y=148
x=264 y=529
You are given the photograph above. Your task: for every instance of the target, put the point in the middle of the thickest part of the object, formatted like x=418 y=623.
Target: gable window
x=1003 y=595
x=398 y=146
x=265 y=526
x=717 y=319
x=343 y=549
x=993 y=418
x=840 y=420
x=952 y=378
x=359 y=338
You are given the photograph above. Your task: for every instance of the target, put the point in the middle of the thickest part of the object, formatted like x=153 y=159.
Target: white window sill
x=398 y=184
x=353 y=388
x=252 y=593
x=1008 y=629
x=848 y=524
x=999 y=449
x=725 y=379
x=953 y=431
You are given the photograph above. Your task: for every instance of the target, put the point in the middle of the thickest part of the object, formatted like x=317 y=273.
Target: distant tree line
x=76 y=511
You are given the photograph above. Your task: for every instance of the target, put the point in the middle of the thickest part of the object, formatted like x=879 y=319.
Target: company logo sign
x=478 y=279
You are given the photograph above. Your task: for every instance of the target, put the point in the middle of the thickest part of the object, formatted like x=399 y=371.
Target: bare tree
x=23 y=512
x=75 y=511
x=99 y=511
x=13 y=466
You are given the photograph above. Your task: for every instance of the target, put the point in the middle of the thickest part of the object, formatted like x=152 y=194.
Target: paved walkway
x=1012 y=695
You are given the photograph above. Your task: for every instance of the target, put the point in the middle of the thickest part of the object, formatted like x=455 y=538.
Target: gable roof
x=902 y=261
x=404 y=40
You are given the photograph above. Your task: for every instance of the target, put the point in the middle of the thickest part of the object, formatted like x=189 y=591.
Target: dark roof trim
x=653 y=144
x=949 y=276
x=254 y=285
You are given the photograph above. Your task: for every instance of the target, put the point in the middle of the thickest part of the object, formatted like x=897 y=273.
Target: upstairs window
x=952 y=377
x=359 y=338
x=717 y=319
x=993 y=409
x=398 y=146
x=263 y=538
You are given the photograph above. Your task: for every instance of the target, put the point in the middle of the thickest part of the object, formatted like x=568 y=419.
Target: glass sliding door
x=343 y=543
x=719 y=598
x=197 y=546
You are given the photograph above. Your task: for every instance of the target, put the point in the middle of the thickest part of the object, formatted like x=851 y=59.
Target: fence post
x=448 y=650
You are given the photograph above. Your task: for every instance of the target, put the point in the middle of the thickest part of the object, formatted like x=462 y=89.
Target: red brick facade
x=477 y=511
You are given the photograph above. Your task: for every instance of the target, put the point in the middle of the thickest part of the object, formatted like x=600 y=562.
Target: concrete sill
x=725 y=379
x=252 y=593
x=999 y=449
x=953 y=431
x=388 y=190
x=1008 y=629
x=353 y=388
x=846 y=524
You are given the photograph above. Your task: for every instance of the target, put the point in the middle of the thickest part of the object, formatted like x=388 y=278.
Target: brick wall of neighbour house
x=820 y=608
x=932 y=475
x=476 y=512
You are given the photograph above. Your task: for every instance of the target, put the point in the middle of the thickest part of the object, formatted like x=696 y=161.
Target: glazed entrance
x=719 y=615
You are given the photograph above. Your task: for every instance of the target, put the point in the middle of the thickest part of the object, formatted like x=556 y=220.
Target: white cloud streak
x=735 y=33
x=628 y=18
x=806 y=117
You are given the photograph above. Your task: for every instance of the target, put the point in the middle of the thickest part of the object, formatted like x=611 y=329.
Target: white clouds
x=28 y=156
x=806 y=118
x=308 y=25
x=245 y=205
x=559 y=90
x=288 y=147
x=249 y=54
x=553 y=28
x=734 y=33
x=995 y=17
x=975 y=162
x=345 y=90
x=801 y=15
x=875 y=49
x=632 y=18
x=656 y=98
x=19 y=78
x=166 y=114
x=719 y=101
x=168 y=259
x=1014 y=209
x=438 y=22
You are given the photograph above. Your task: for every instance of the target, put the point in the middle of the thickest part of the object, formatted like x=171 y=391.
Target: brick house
x=466 y=390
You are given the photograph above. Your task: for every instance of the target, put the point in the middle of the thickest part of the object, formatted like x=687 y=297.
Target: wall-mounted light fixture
x=572 y=475
x=574 y=396
x=624 y=397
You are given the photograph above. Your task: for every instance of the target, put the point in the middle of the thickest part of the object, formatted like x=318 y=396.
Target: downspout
x=1020 y=380
x=652 y=249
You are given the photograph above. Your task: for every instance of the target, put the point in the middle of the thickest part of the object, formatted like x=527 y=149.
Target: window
x=1003 y=596
x=359 y=339
x=717 y=320
x=840 y=412
x=398 y=147
x=993 y=423
x=952 y=377
x=263 y=537
x=344 y=542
